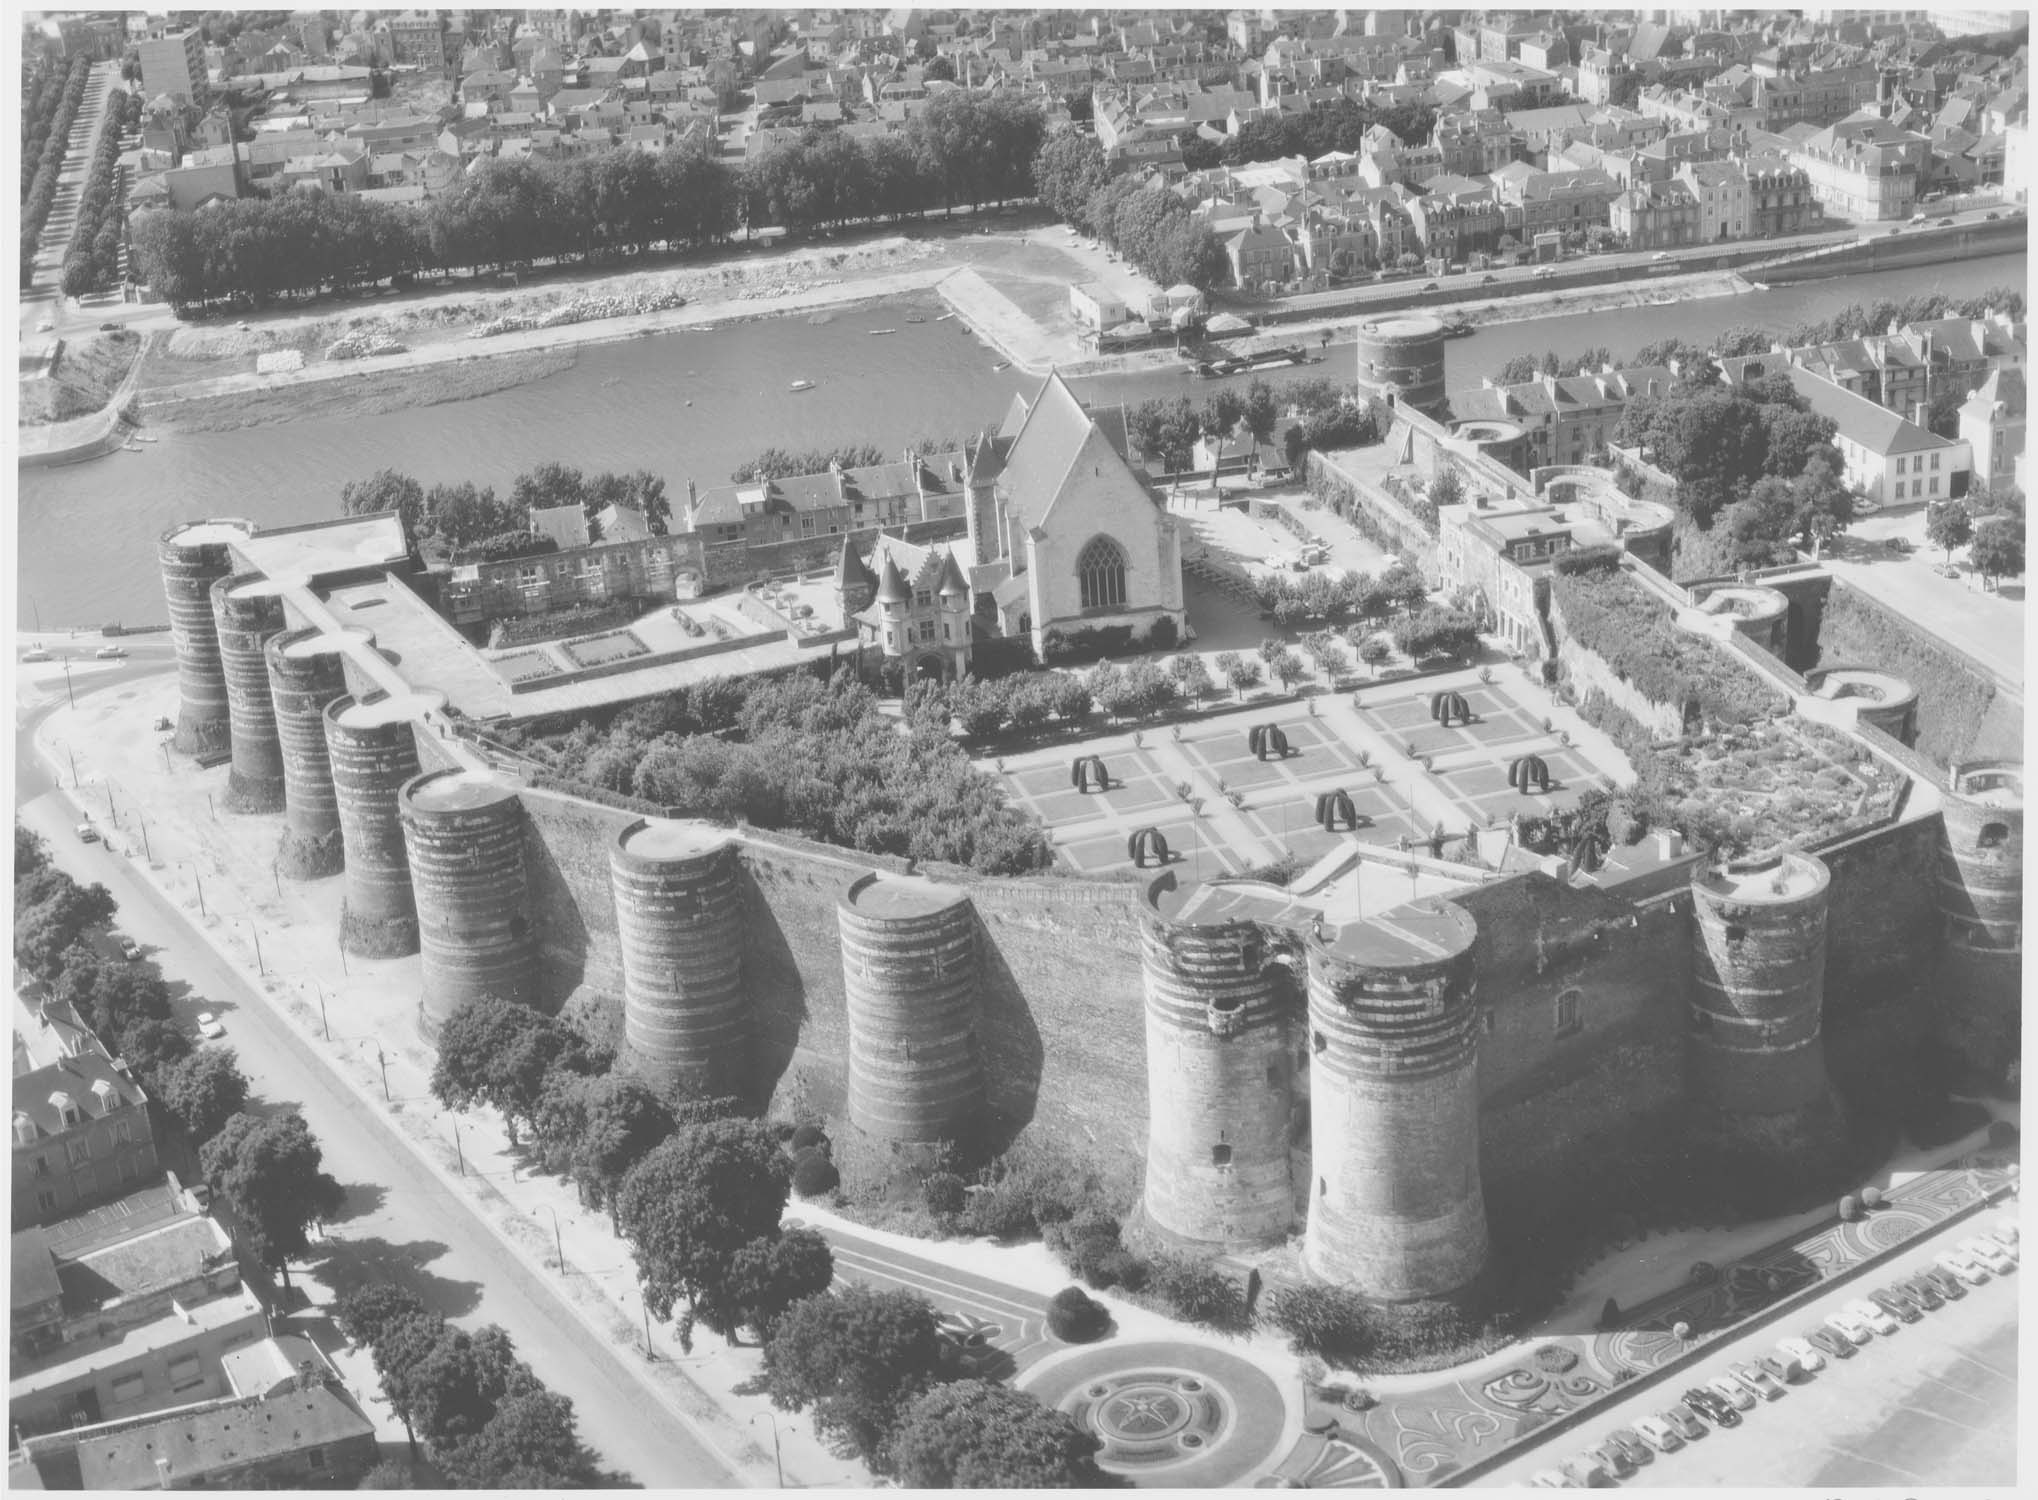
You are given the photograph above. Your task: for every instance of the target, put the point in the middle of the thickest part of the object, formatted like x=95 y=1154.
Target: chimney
x=691 y=494
x=1669 y=843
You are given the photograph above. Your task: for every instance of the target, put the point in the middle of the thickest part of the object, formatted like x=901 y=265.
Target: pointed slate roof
x=852 y=570
x=891 y=588
x=951 y=577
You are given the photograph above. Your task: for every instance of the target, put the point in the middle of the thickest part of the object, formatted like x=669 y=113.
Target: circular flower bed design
x=1884 y=1230
x=1152 y=1416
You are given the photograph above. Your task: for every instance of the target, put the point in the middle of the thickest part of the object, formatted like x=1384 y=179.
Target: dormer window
x=25 y=1132
x=107 y=1095
x=67 y=1109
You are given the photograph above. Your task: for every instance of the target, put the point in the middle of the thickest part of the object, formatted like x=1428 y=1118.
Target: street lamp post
x=558 y=1244
x=342 y=943
x=324 y=1025
x=147 y=854
x=777 y=1462
x=69 y=696
x=459 y=1155
x=382 y=1062
x=255 y=933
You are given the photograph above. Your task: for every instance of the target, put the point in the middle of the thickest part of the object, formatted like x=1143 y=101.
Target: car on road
x=1550 y=1479
x=1802 y=1350
x=1918 y=218
x=1944 y=1283
x=1947 y=569
x=1759 y=1380
x=1991 y=215
x=1660 y=255
x=209 y=1027
x=1429 y=286
x=1731 y=1391
x=1871 y=1313
x=1708 y=1405
x=1944 y=224
x=1488 y=280
x=1658 y=1434
x=110 y=327
x=1989 y=1253
x=129 y=950
x=1544 y=273
x=110 y=653
x=1628 y=1443
x=1897 y=1302
x=1901 y=546
x=87 y=834
x=44 y=326
x=1684 y=1421
x=35 y=653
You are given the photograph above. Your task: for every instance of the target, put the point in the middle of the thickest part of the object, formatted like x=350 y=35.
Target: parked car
x=1684 y=1420
x=1918 y=218
x=1850 y=1325
x=1587 y=1472
x=1658 y=1434
x=1627 y=1442
x=1964 y=1267
x=1830 y=1343
x=1612 y=1459
x=110 y=327
x=2004 y=1235
x=1706 y=1403
x=1873 y=1315
x=1865 y=505
x=110 y=653
x=35 y=653
x=1731 y=1391
x=1946 y=570
x=209 y=1027
x=129 y=950
x=1901 y=546
x=1991 y=214
x=1802 y=1351
x=1896 y=1304
x=1660 y=255
x=1944 y=1283
x=1759 y=1380
x=1545 y=273
x=1944 y=224
x=1989 y=1253
x=87 y=834
x=1550 y=1479
x=1922 y=1291
x=1488 y=280
x=1429 y=286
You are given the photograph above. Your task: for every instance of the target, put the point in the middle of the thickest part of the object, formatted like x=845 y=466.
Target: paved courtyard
x=1223 y=809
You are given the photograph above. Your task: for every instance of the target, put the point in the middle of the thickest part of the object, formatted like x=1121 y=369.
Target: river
x=693 y=405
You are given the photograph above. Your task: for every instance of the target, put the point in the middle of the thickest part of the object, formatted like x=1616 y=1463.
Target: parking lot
x=1932 y=1404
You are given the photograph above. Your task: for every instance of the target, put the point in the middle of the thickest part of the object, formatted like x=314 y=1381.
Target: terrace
x=1780 y=783
x=1224 y=810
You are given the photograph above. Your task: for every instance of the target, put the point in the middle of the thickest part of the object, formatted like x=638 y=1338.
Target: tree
x=530 y=1442
x=269 y=1171
x=498 y=1053
x=1519 y=370
x=402 y=1342
x=31 y=852
x=149 y=1046
x=51 y=911
x=1447 y=488
x=204 y=1091
x=1068 y=171
x=367 y=1313
x=1219 y=420
x=1997 y=551
x=1948 y=525
x=698 y=1198
x=386 y=490
x=598 y=1128
x=976 y=1434
x=766 y=1277
x=456 y=1388
x=856 y=1356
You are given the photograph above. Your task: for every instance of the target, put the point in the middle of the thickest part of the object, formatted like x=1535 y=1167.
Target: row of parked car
x=1721 y=1400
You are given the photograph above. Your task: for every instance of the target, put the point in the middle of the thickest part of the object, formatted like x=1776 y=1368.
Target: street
x=401 y=1219
x=1987 y=624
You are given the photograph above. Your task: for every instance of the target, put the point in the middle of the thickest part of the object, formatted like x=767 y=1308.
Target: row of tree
x=1858 y=319
x=486 y=1419
x=472 y=523
x=1992 y=530
x=44 y=83
x=39 y=193
x=962 y=149
x=1155 y=229
x=1718 y=442
x=1323 y=414
x=93 y=261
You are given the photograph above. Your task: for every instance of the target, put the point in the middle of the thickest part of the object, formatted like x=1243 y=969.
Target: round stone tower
x=909 y=970
x=373 y=753
x=1879 y=699
x=247 y=612
x=1221 y=1023
x=193 y=557
x=463 y=832
x=1757 y=1059
x=1981 y=898
x=679 y=920
x=1402 y=356
x=1761 y=614
x=1397 y=1210
x=306 y=673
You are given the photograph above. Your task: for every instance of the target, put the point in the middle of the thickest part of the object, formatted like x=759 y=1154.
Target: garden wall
x=1372 y=511
x=1586 y=672
x=1962 y=713
x=1882 y=921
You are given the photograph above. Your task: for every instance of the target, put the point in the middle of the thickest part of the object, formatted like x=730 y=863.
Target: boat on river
x=881 y=332
x=801 y=385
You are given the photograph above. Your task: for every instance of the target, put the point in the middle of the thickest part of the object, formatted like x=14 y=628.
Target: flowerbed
x=1784 y=782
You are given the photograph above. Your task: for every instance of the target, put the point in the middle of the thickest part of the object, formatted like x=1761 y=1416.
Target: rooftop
x=223 y=1438
x=164 y=1255
x=323 y=547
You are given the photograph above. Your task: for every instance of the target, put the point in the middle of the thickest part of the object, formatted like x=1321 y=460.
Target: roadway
x=1987 y=624
x=1934 y=1404
x=403 y=1220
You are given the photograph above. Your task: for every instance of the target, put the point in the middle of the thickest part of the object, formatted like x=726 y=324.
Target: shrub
x=808 y=1136
x=814 y=1174
x=1850 y=1208
x=1123 y=1268
x=1198 y=1292
x=1086 y=1244
x=1604 y=558
x=1555 y=1359
x=1000 y=1212
x=1075 y=1317
x=1871 y=1197
x=1325 y=1321
x=1613 y=616
x=944 y=1195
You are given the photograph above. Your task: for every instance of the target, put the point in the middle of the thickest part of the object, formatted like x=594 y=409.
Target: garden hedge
x=1631 y=630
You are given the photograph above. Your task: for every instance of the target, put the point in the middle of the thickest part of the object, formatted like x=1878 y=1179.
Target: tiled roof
x=1876 y=428
x=160 y=1256
x=72 y=1077
x=222 y=1438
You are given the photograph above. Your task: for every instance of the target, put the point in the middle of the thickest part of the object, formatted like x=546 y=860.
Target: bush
x=809 y=1136
x=1604 y=558
x=814 y=1174
x=1328 y=1322
x=1086 y=1245
x=1850 y=1208
x=944 y=1195
x=1198 y=1292
x=1871 y=1197
x=1555 y=1359
x=1614 y=617
x=1075 y=1317
x=999 y=1212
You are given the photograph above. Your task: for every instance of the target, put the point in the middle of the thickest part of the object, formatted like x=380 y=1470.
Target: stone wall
x=1882 y=926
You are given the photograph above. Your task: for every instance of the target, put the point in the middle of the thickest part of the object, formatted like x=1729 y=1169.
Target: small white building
x=1888 y=458
x=1096 y=306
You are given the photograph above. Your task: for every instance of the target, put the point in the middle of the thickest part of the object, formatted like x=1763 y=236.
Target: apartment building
x=1887 y=457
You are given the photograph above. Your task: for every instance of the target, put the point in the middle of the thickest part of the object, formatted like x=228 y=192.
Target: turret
x=463 y=834
x=1981 y=900
x=193 y=557
x=247 y=610
x=373 y=752
x=855 y=584
x=306 y=672
x=1396 y=1210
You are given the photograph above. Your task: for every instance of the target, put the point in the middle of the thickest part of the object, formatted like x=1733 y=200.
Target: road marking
x=891 y=1271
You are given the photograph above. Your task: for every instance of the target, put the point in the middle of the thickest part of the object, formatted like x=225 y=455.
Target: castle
x=1352 y=1057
